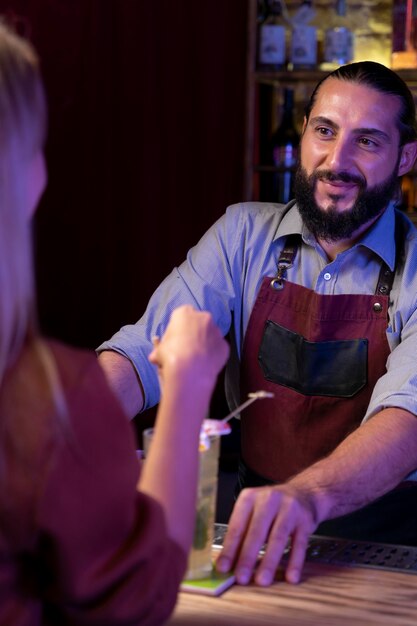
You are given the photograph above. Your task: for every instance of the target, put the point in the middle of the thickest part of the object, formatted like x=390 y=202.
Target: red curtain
x=145 y=147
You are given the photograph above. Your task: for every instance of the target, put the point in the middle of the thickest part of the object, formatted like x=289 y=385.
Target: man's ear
x=408 y=157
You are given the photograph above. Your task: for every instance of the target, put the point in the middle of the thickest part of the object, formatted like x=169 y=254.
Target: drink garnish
x=213 y=427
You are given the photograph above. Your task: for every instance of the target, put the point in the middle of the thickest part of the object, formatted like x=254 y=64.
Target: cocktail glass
x=200 y=562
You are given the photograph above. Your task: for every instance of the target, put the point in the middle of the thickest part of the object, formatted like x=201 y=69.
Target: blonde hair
x=22 y=134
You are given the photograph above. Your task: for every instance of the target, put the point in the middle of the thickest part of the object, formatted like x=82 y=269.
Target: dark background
x=145 y=150
x=145 y=147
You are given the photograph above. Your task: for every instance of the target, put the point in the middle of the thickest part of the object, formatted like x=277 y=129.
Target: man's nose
x=339 y=154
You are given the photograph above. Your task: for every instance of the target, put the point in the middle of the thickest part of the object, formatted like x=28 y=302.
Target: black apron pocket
x=313 y=368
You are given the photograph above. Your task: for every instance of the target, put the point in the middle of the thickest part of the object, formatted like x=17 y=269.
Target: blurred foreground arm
x=189 y=357
x=367 y=464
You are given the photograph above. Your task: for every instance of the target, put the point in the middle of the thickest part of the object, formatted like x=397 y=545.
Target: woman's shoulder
x=70 y=360
x=82 y=378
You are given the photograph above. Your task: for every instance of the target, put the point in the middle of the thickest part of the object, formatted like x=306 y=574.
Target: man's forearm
x=367 y=464
x=123 y=380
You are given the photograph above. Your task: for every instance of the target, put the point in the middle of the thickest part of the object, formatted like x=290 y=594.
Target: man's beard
x=332 y=225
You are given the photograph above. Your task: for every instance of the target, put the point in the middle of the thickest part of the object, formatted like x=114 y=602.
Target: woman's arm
x=190 y=356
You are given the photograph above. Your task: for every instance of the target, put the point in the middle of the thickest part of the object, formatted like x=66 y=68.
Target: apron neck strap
x=386 y=276
x=285 y=260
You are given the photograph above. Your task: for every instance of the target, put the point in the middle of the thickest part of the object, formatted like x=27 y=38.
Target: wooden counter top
x=327 y=595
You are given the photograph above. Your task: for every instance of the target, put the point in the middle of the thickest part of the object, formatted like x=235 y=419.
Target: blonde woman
x=85 y=537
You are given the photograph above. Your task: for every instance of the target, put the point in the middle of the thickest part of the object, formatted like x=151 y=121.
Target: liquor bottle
x=338 y=40
x=272 y=38
x=303 y=49
x=261 y=11
x=284 y=149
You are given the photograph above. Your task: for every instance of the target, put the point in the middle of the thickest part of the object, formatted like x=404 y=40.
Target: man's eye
x=368 y=143
x=323 y=131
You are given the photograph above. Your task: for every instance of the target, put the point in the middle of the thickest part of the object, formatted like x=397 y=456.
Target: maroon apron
x=321 y=356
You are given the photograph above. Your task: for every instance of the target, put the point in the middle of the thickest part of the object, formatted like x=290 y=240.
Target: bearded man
x=319 y=298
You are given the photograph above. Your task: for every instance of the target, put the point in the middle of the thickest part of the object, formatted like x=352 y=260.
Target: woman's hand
x=192 y=347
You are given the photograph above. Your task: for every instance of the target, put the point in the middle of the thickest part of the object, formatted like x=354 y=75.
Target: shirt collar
x=381 y=237
x=291 y=222
x=377 y=238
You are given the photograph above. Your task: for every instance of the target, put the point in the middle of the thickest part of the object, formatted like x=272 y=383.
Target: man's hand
x=346 y=480
x=270 y=515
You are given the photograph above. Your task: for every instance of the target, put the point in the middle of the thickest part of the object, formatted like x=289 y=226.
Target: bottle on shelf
x=272 y=37
x=303 y=48
x=261 y=12
x=284 y=151
x=338 y=40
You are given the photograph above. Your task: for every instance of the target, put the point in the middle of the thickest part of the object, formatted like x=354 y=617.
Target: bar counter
x=327 y=595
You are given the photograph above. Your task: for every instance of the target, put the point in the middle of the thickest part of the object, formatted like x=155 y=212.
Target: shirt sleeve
x=206 y=280
x=104 y=548
x=398 y=386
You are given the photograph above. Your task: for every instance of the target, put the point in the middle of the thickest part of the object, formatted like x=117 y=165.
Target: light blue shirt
x=223 y=273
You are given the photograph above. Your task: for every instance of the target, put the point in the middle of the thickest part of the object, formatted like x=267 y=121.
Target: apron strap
x=285 y=260
x=385 y=280
x=386 y=276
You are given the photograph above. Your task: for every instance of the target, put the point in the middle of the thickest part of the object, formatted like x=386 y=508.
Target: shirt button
x=327 y=276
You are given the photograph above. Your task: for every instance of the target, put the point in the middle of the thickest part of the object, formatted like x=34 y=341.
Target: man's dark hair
x=382 y=79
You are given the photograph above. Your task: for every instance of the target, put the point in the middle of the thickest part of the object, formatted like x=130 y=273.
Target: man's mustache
x=343 y=177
